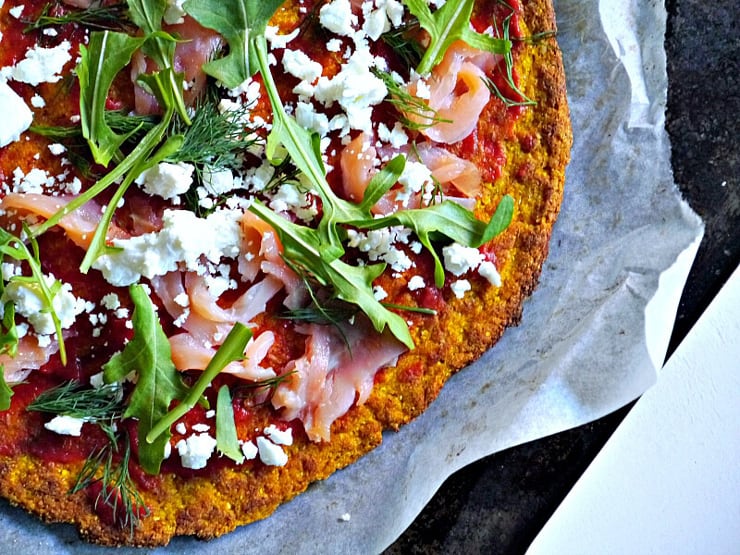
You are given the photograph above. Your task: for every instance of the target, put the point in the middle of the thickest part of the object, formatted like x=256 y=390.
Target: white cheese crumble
x=460 y=259
x=183 y=239
x=249 y=450
x=196 y=450
x=166 y=180
x=65 y=425
x=17 y=116
x=298 y=64
x=488 y=270
x=42 y=65
x=460 y=287
x=416 y=282
x=29 y=304
x=278 y=436
x=337 y=17
x=37 y=101
x=271 y=454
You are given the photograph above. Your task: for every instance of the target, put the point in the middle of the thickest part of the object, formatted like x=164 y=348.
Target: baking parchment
x=585 y=346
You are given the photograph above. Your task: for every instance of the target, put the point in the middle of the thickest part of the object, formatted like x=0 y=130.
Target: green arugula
x=449 y=23
x=227 y=441
x=12 y=247
x=8 y=330
x=158 y=382
x=232 y=349
x=240 y=23
x=105 y=56
x=5 y=391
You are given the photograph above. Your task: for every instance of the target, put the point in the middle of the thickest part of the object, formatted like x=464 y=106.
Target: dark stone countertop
x=498 y=504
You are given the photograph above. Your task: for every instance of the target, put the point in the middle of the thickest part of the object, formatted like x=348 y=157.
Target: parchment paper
x=584 y=346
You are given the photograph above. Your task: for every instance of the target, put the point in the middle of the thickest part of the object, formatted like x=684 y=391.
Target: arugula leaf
x=106 y=54
x=446 y=25
x=13 y=247
x=226 y=439
x=238 y=22
x=158 y=384
x=231 y=350
x=5 y=392
x=446 y=220
x=159 y=46
x=353 y=284
x=8 y=331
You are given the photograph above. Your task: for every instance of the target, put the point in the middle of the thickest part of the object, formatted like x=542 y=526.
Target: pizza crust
x=460 y=333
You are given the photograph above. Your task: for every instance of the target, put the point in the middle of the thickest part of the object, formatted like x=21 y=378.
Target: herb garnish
x=118 y=491
x=102 y=406
x=408 y=104
x=111 y=17
x=43 y=287
x=449 y=23
x=232 y=349
x=158 y=382
x=227 y=441
x=508 y=75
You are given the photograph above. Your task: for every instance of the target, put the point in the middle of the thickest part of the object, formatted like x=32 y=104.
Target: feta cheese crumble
x=17 y=116
x=196 y=450
x=65 y=425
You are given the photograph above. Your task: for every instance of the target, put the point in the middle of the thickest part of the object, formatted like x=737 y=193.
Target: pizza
x=240 y=239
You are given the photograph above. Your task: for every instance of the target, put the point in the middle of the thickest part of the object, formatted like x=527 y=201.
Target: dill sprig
x=215 y=139
x=111 y=17
x=409 y=105
x=408 y=50
x=108 y=466
x=524 y=100
x=244 y=390
x=120 y=121
x=117 y=489
x=320 y=311
x=101 y=406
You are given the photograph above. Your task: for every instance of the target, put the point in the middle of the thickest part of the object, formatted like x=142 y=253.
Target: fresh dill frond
x=101 y=406
x=523 y=100
x=408 y=50
x=244 y=390
x=106 y=17
x=408 y=105
x=321 y=315
x=108 y=466
x=71 y=398
x=215 y=139
x=117 y=488
x=120 y=121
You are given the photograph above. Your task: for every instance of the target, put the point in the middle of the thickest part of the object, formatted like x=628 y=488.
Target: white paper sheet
x=668 y=480
x=582 y=349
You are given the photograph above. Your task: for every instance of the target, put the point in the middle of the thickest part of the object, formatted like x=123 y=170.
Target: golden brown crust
x=460 y=333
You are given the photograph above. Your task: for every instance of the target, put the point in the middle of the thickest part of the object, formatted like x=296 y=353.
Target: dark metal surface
x=499 y=504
